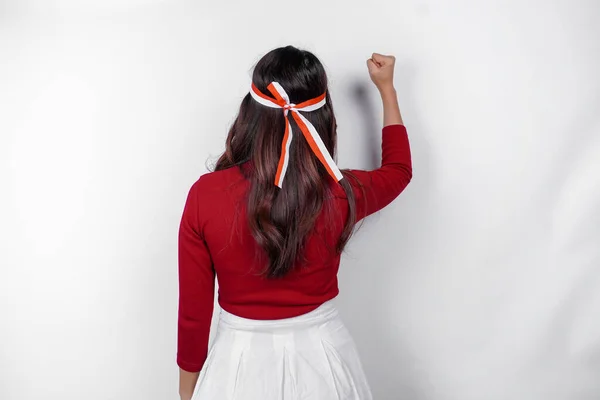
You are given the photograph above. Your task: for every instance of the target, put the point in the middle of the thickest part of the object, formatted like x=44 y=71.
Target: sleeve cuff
x=189 y=367
x=394 y=128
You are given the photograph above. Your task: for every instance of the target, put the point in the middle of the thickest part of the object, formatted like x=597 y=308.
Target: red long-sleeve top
x=215 y=241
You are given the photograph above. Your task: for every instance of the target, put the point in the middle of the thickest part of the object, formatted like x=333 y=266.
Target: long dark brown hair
x=281 y=219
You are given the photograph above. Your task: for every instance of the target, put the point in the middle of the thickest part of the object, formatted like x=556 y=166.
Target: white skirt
x=310 y=357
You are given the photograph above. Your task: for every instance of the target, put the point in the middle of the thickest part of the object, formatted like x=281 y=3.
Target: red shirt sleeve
x=376 y=189
x=196 y=288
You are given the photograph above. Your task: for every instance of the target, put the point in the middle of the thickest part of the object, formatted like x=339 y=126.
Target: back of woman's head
x=281 y=218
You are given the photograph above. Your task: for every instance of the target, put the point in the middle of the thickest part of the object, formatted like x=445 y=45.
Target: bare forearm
x=381 y=70
x=187 y=382
x=391 y=109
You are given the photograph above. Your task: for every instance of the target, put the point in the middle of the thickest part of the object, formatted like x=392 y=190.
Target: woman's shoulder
x=218 y=181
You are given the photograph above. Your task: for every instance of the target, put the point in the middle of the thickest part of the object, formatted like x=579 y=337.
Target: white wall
x=481 y=282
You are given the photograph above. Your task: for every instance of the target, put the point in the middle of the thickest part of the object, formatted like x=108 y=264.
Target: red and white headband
x=311 y=135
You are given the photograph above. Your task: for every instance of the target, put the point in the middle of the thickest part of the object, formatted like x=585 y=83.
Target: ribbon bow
x=311 y=135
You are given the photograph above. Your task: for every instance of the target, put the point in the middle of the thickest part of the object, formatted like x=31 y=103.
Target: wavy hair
x=281 y=219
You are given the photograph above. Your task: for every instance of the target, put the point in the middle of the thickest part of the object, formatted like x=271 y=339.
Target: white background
x=482 y=281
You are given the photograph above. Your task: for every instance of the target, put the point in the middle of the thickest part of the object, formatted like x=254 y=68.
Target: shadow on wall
x=376 y=321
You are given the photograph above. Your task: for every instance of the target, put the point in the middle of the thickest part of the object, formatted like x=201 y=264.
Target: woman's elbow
x=406 y=173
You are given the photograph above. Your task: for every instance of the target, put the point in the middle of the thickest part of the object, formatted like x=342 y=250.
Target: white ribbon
x=311 y=130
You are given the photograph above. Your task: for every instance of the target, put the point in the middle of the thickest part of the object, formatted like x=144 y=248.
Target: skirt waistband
x=325 y=312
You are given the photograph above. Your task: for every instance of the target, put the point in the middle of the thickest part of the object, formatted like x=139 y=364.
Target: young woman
x=270 y=223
